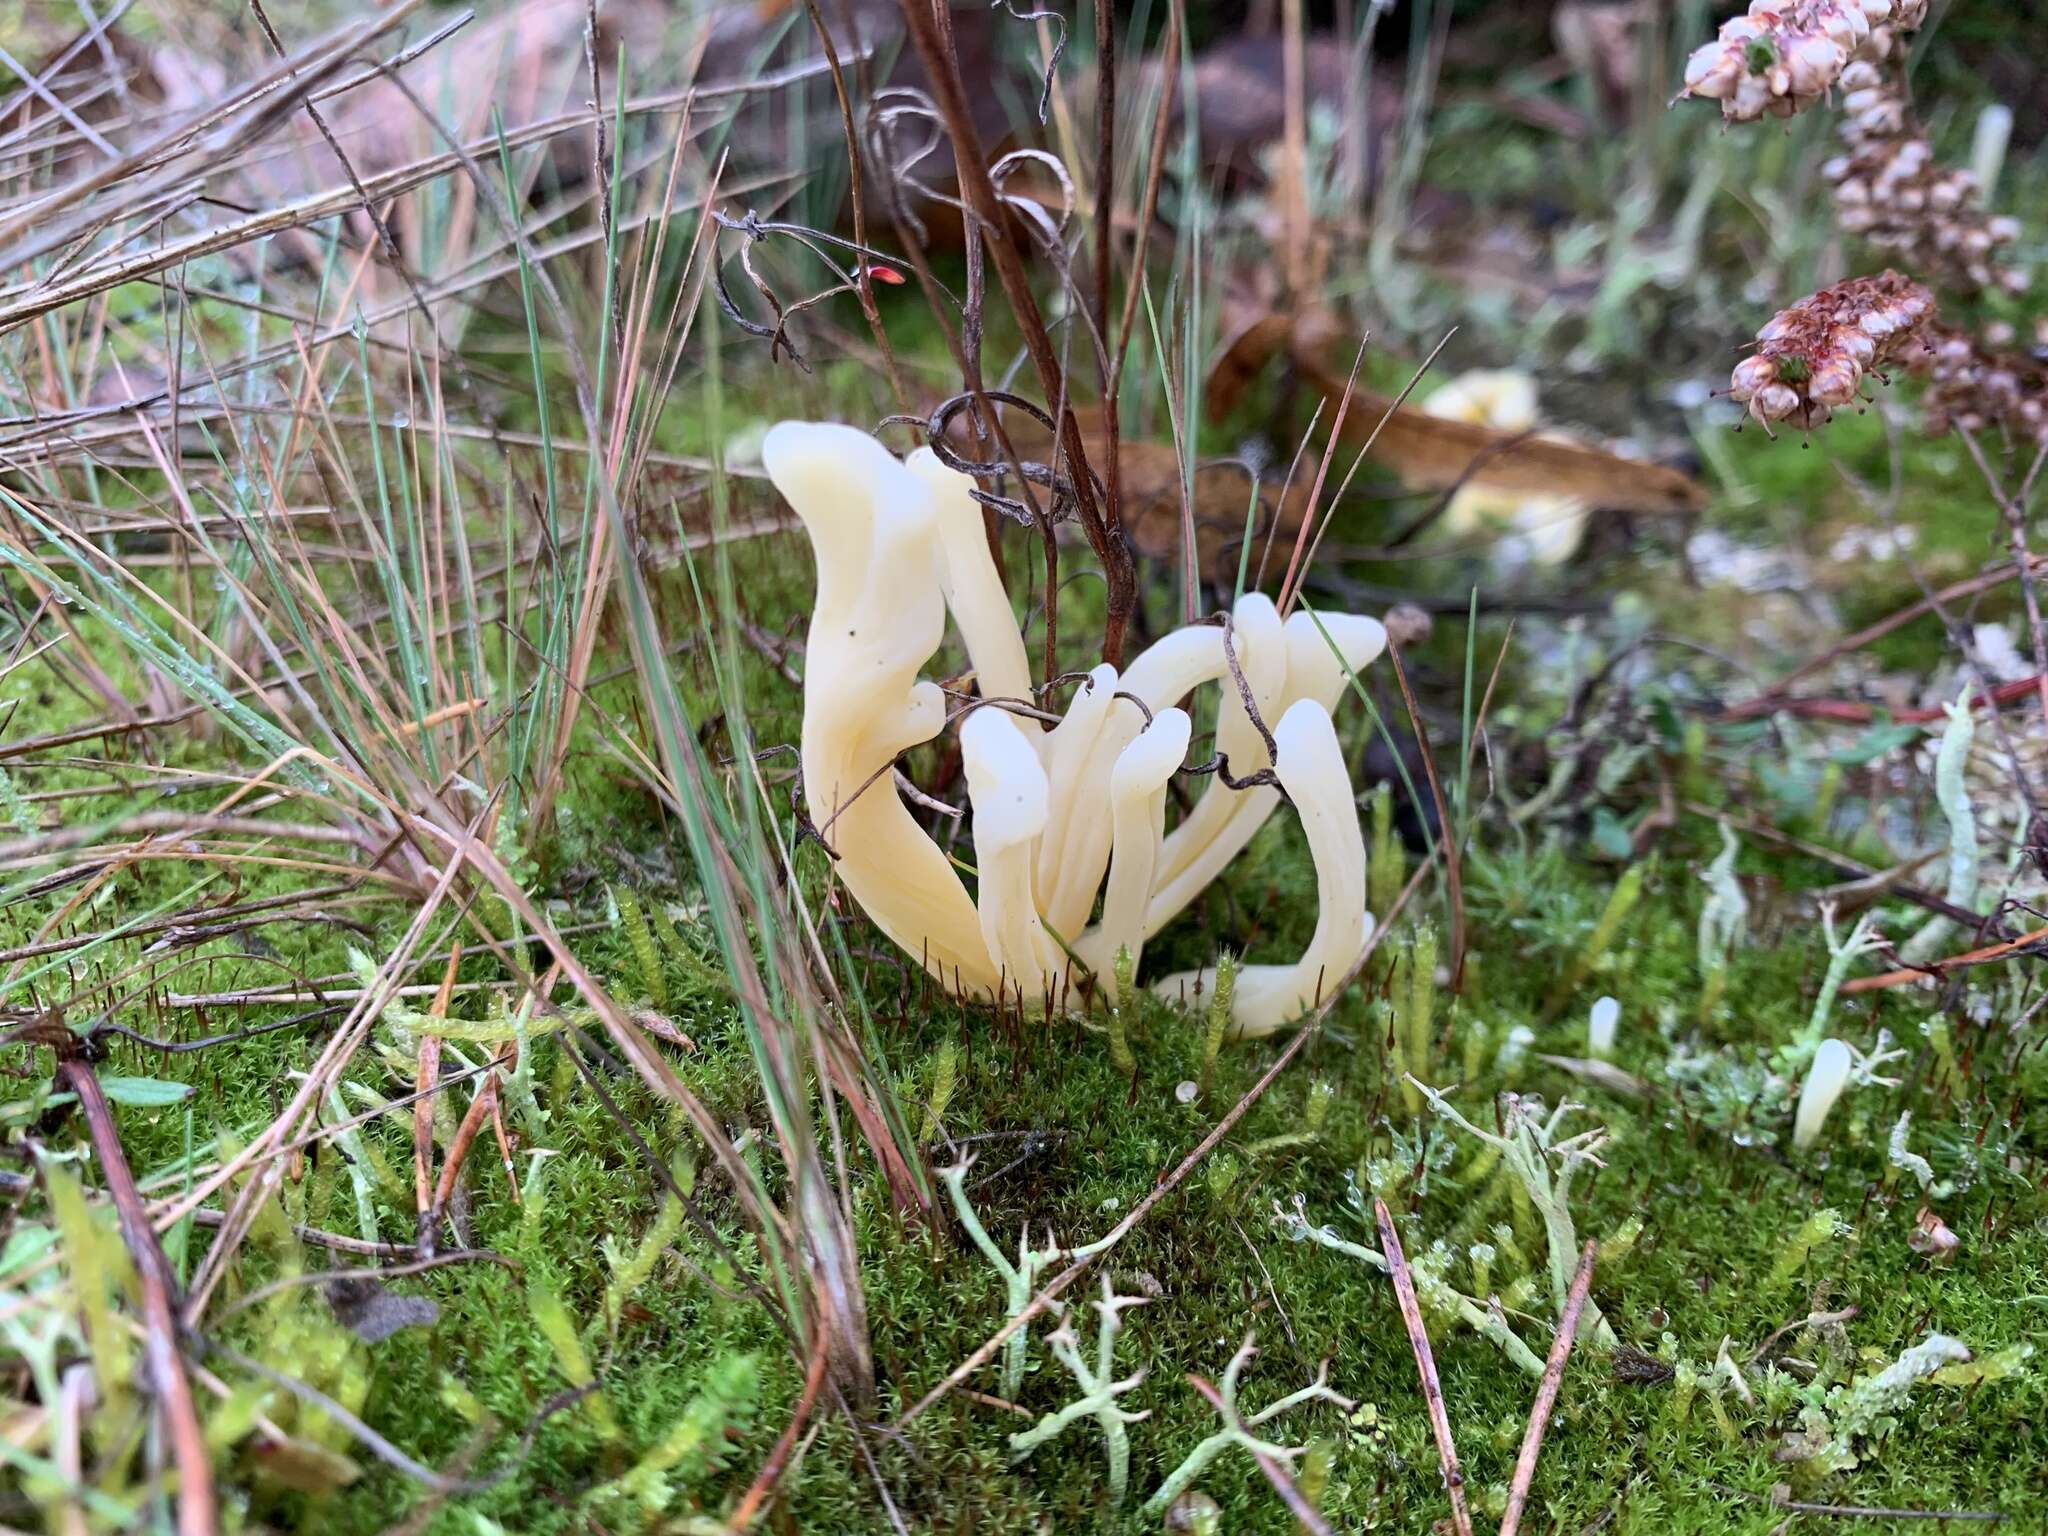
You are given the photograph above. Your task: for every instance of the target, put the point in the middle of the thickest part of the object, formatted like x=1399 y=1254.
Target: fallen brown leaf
x=1430 y=452
x=1426 y=451
x=1149 y=483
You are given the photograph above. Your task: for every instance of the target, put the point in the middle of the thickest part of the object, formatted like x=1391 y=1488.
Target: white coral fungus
x=898 y=543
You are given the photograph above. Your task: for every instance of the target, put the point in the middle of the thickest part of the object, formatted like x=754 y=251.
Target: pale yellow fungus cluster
x=899 y=544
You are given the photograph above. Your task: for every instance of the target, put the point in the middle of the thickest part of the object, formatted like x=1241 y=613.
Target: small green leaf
x=25 y=1244
x=144 y=1092
x=1885 y=735
x=1611 y=835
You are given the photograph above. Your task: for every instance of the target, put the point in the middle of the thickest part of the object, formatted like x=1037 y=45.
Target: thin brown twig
x=930 y=32
x=198 y=1513
x=1862 y=1511
x=1937 y=968
x=1066 y=1277
x=1425 y=1364
x=427 y=1073
x=458 y=1150
x=1774 y=697
x=1862 y=874
x=1168 y=1183
x=1296 y=564
x=2012 y=507
x=1454 y=884
x=864 y=283
x=1546 y=1393
x=419 y=1266
x=1105 y=196
x=335 y=1242
x=1306 y=1514
x=1148 y=206
x=756 y=1497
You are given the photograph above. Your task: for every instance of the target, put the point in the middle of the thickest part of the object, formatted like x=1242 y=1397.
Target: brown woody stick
x=1425 y=1363
x=1939 y=968
x=1546 y=1393
x=929 y=29
x=758 y=1492
x=1306 y=1515
x=197 y=1513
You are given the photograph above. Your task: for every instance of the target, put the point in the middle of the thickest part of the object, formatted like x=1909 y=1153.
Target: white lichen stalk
x=897 y=545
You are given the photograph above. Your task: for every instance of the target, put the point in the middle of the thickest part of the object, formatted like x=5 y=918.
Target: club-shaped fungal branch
x=1100 y=1390
x=878 y=616
x=1238 y=1430
x=1311 y=769
x=1836 y=1067
x=900 y=543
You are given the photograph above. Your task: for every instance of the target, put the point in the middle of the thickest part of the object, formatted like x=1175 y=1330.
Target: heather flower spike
x=900 y=543
x=1812 y=358
x=1891 y=191
x=1785 y=55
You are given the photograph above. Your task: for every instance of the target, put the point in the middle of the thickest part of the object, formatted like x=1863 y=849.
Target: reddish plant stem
x=1546 y=1393
x=2013 y=507
x=1305 y=1513
x=423 y=1110
x=197 y=1511
x=756 y=1497
x=1938 y=968
x=1105 y=249
x=930 y=28
x=1855 y=712
x=1773 y=699
x=1105 y=171
x=458 y=1149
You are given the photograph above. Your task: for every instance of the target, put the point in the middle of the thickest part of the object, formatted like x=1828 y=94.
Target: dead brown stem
x=864 y=283
x=1773 y=699
x=1546 y=1393
x=1425 y=1364
x=458 y=1149
x=1306 y=1514
x=763 y=1486
x=1148 y=205
x=1938 y=968
x=1454 y=885
x=423 y=1108
x=930 y=28
x=197 y=1511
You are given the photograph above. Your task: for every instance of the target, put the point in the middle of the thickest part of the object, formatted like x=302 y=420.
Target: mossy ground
x=1064 y=1140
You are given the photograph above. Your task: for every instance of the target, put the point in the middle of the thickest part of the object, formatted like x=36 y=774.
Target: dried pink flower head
x=1890 y=190
x=1811 y=359
x=1973 y=384
x=1785 y=55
